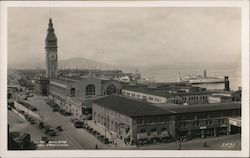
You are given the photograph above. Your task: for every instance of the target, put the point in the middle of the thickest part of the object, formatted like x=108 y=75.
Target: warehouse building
x=136 y=120
x=167 y=95
x=203 y=120
x=132 y=119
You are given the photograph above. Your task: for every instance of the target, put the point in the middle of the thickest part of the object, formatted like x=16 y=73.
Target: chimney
x=227 y=87
x=205 y=73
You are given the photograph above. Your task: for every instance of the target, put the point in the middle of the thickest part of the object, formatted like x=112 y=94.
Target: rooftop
x=157 y=92
x=135 y=108
x=86 y=98
x=199 y=107
x=130 y=107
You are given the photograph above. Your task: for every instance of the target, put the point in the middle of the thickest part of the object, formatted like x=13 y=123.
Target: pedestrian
x=116 y=144
x=96 y=147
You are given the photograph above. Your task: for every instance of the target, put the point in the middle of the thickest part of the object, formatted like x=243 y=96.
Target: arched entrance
x=90 y=89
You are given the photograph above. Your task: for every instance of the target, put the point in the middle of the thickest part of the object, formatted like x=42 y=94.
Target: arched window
x=111 y=89
x=90 y=90
x=72 y=92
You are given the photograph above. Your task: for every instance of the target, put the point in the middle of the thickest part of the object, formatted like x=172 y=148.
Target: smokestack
x=205 y=73
x=227 y=87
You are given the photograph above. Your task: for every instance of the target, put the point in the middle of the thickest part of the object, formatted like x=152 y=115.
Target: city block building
x=132 y=119
x=136 y=120
x=153 y=95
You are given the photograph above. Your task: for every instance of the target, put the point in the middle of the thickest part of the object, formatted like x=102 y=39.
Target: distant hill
x=83 y=63
x=73 y=63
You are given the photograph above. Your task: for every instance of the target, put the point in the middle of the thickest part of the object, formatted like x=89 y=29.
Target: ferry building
x=72 y=93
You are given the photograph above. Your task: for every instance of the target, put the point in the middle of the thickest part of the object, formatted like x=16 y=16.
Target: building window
x=150 y=98
x=72 y=92
x=90 y=90
x=163 y=129
x=111 y=89
x=142 y=131
x=139 y=121
x=157 y=99
x=153 y=130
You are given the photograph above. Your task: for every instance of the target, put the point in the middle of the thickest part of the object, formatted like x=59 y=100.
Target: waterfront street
x=231 y=142
x=78 y=138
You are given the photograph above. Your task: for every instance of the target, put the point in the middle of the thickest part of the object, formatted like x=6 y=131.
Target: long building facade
x=76 y=94
x=136 y=120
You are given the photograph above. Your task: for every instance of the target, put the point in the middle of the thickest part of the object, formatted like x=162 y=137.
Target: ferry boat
x=198 y=79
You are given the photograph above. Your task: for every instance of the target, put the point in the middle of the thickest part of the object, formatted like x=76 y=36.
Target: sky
x=136 y=37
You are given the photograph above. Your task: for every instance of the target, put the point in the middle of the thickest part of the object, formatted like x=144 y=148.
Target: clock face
x=52 y=56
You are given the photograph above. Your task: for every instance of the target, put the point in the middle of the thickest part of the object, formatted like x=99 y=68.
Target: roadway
x=76 y=138
x=80 y=139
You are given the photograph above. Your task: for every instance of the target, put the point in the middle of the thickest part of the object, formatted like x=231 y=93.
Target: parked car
x=94 y=132
x=52 y=132
x=67 y=113
x=9 y=107
x=105 y=140
x=59 y=128
x=40 y=125
x=87 y=127
x=78 y=124
x=47 y=129
x=45 y=139
x=32 y=121
x=100 y=137
x=90 y=130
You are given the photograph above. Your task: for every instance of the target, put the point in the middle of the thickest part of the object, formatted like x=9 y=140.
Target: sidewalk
x=117 y=142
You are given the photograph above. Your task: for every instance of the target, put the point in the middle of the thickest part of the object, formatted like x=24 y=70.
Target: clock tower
x=51 y=52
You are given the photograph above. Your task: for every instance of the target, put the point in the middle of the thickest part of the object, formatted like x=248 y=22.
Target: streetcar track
x=72 y=140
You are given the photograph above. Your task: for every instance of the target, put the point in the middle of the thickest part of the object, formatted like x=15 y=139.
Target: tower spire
x=50 y=25
x=51 y=39
x=51 y=51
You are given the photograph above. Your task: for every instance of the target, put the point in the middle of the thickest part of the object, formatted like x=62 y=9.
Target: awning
x=154 y=135
x=164 y=134
x=142 y=135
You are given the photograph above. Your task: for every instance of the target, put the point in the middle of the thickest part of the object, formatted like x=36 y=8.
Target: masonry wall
x=155 y=125
x=113 y=121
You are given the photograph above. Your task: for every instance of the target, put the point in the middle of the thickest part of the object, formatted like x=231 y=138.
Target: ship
x=199 y=79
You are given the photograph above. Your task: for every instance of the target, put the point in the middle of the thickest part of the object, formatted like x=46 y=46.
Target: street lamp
x=105 y=123
x=180 y=139
x=105 y=128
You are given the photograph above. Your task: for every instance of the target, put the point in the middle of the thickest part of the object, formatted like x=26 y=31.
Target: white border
x=126 y=153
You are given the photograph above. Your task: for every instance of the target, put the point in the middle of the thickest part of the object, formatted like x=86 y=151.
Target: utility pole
x=105 y=121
